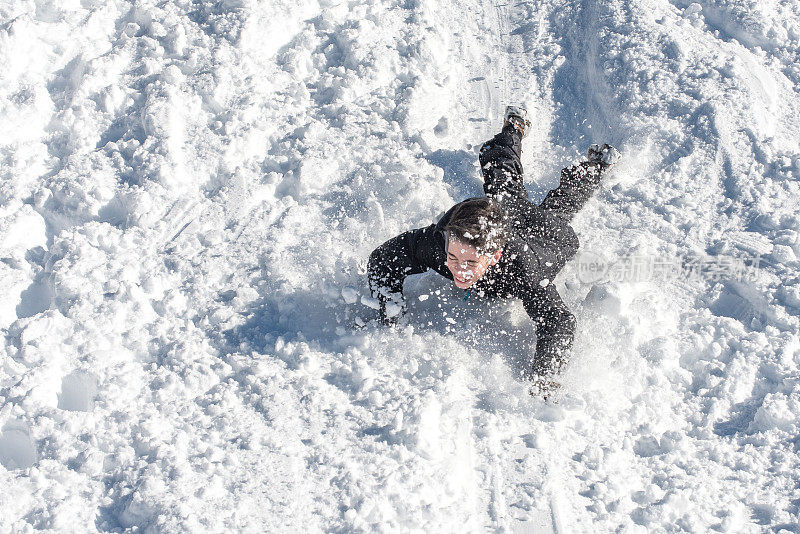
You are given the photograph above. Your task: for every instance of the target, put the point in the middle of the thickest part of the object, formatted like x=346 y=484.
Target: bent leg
x=578 y=184
x=545 y=228
x=501 y=166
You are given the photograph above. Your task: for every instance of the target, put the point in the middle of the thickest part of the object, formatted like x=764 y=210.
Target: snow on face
x=466 y=264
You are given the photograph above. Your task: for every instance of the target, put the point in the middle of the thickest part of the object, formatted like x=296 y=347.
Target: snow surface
x=188 y=194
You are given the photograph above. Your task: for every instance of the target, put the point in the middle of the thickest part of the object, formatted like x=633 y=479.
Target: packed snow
x=189 y=191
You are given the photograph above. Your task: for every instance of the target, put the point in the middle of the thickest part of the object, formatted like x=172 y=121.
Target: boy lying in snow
x=501 y=245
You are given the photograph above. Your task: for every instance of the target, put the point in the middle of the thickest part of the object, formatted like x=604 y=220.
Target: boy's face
x=466 y=264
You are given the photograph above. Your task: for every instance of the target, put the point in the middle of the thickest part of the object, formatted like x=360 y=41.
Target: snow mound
x=16 y=449
x=188 y=195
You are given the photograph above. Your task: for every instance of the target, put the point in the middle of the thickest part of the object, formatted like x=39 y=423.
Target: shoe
x=517 y=116
x=606 y=155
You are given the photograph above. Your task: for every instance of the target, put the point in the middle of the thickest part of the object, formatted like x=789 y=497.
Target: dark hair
x=478 y=222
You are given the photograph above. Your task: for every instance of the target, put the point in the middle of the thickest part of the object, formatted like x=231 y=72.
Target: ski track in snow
x=188 y=195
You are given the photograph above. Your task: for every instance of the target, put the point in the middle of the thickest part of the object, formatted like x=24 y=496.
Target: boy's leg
x=578 y=184
x=501 y=166
x=502 y=179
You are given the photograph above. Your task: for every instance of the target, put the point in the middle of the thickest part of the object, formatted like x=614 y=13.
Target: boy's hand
x=543 y=387
x=393 y=306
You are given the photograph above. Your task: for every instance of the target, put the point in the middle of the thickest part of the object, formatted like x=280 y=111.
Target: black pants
x=502 y=179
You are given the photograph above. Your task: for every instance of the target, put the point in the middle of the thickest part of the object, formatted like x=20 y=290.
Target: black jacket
x=541 y=242
x=537 y=250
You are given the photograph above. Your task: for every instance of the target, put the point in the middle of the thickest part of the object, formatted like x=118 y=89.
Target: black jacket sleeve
x=409 y=253
x=555 y=327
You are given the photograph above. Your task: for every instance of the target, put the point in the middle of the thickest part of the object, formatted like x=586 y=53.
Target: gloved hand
x=392 y=307
x=544 y=387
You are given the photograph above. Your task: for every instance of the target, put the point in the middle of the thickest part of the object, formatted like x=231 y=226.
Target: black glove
x=544 y=387
x=392 y=307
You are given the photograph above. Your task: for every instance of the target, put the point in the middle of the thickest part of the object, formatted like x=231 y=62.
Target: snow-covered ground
x=188 y=194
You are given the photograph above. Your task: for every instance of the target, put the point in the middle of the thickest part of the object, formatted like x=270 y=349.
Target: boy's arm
x=409 y=253
x=555 y=328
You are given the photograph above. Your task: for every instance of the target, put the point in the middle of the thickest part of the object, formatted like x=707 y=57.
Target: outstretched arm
x=555 y=327
x=409 y=253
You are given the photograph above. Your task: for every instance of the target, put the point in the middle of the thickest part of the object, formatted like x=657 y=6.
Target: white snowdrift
x=189 y=192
